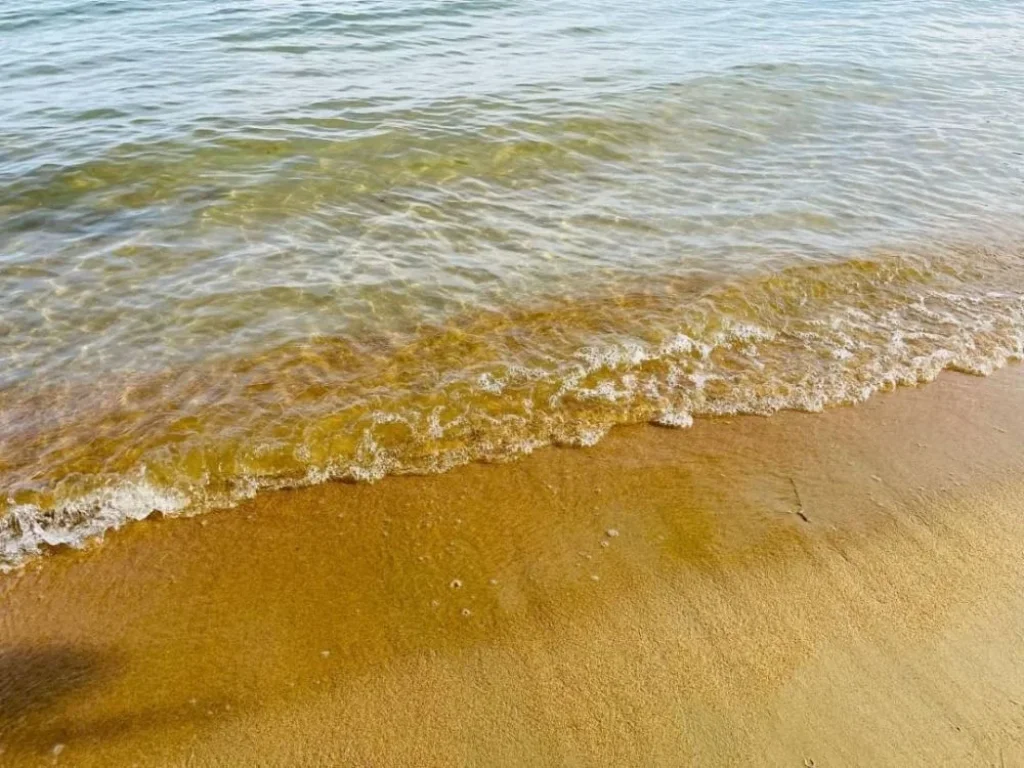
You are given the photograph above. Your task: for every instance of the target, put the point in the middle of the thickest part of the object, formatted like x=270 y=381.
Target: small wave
x=28 y=529
x=496 y=385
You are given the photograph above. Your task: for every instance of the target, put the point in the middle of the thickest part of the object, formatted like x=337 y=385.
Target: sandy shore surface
x=832 y=589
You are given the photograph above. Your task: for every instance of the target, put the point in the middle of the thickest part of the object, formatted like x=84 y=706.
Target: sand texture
x=834 y=589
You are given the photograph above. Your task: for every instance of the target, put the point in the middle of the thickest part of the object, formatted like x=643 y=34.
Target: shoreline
x=832 y=587
x=81 y=460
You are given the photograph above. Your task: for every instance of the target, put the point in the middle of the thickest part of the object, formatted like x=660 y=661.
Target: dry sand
x=835 y=589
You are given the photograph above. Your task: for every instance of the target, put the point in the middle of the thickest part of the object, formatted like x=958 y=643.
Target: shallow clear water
x=259 y=244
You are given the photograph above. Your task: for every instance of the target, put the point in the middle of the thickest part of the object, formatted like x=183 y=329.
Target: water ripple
x=190 y=187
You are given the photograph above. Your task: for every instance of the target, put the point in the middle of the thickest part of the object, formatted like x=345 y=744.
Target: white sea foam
x=836 y=347
x=28 y=529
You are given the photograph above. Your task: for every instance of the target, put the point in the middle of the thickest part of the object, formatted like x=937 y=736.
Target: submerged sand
x=832 y=589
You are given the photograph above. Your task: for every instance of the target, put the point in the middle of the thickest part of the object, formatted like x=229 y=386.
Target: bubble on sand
x=612 y=532
x=57 y=749
x=493 y=582
x=594 y=577
x=325 y=654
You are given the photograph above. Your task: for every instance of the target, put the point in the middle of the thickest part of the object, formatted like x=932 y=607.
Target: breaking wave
x=494 y=385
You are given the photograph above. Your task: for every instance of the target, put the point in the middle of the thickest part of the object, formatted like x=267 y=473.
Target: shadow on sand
x=41 y=688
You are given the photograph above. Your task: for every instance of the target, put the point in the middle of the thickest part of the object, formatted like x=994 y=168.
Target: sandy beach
x=833 y=589
x=478 y=383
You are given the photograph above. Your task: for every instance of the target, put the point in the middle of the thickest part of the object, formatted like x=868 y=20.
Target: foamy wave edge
x=841 y=353
x=30 y=530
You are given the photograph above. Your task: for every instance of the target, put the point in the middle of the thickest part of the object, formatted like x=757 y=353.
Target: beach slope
x=833 y=589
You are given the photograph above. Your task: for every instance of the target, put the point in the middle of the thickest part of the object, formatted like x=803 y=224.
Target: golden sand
x=832 y=589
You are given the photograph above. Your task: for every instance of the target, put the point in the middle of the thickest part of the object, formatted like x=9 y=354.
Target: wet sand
x=834 y=589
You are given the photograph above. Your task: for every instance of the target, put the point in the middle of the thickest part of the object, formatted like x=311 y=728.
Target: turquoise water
x=247 y=245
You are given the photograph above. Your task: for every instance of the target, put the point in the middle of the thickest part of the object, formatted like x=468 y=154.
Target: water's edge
x=498 y=387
